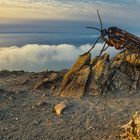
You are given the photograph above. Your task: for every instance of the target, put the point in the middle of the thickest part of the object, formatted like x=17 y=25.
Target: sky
x=48 y=25
x=15 y=10
x=44 y=15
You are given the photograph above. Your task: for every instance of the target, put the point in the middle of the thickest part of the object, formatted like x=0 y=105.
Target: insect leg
x=106 y=48
x=102 y=50
x=92 y=46
x=100 y=53
x=106 y=41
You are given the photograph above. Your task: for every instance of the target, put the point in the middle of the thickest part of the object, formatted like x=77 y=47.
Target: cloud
x=22 y=10
x=34 y=57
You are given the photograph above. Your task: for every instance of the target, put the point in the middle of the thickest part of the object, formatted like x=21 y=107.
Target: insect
x=116 y=37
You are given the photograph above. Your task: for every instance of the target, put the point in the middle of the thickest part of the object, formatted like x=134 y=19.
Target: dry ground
x=27 y=113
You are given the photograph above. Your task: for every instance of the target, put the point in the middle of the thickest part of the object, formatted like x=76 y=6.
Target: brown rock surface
x=50 y=81
x=132 y=129
x=124 y=76
x=76 y=87
x=74 y=81
x=132 y=58
x=103 y=75
x=58 y=108
x=98 y=76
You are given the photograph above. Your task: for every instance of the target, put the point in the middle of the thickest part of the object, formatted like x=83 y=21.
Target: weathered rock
x=50 y=81
x=98 y=76
x=74 y=82
x=124 y=76
x=132 y=58
x=131 y=131
x=113 y=76
x=58 y=108
x=102 y=75
x=76 y=87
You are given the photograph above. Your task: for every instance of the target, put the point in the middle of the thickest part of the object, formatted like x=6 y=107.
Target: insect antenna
x=106 y=48
x=100 y=30
x=94 y=44
x=94 y=28
x=103 y=49
x=101 y=24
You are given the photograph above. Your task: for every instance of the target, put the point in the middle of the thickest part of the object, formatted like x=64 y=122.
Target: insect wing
x=130 y=37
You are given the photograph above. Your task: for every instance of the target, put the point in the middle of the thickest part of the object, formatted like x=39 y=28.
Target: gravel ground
x=27 y=113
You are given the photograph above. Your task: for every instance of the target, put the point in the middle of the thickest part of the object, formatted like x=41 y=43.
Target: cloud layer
x=17 y=10
x=34 y=57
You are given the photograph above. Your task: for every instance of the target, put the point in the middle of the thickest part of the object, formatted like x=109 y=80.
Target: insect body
x=118 y=38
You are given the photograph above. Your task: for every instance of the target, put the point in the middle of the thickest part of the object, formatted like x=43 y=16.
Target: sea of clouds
x=35 y=57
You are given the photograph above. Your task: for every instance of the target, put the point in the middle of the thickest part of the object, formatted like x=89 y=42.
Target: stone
x=102 y=75
x=48 y=81
x=74 y=82
x=76 y=87
x=98 y=76
x=59 y=108
x=131 y=130
x=124 y=75
x=132 y=58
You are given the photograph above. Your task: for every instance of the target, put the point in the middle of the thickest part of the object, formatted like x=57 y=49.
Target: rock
x=74 y=82
x=77 y=86
x=124 y=76
x=98 y=76
x=59 y=108
x=102 y=75
x=115 y=75
x=45 y=81
x=4 y=72
x=132 y=58
x=131 y=131
x=49 y=81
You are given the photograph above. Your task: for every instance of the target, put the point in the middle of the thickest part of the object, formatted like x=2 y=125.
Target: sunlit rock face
x=74 y=82
x=131 y=130
x=102 y=75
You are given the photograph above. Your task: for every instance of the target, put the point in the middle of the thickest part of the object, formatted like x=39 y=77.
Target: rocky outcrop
x=74 y=82
x=77 y=85
x=49 y=80
x=98 y=76
x=124 y=73
x=131 y=130
x=131 y=58
x=102 y=75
